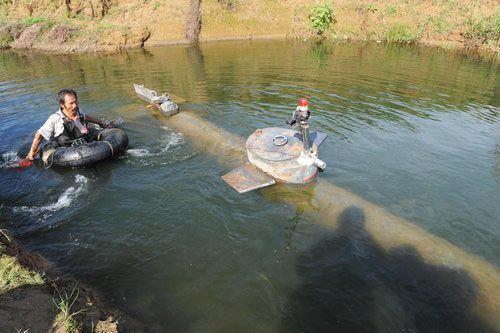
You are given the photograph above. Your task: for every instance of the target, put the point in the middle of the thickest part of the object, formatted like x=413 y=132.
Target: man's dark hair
x=64 y=92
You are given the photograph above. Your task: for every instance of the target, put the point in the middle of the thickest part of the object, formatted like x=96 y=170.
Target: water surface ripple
x=414 y=130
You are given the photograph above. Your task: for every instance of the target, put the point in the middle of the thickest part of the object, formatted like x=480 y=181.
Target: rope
x=51 y=157
x=110 y=147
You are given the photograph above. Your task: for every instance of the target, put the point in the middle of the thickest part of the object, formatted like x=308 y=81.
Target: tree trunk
x=92 y=12
x=193 y=21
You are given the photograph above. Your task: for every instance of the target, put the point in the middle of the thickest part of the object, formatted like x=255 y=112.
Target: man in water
x=67 y=127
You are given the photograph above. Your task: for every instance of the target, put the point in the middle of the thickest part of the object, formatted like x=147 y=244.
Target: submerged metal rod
x=304 y=130
x=327 y=202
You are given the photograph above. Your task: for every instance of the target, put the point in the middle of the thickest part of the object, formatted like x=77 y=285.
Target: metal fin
x=317 y=138
x=247 y=178
x=144 y=93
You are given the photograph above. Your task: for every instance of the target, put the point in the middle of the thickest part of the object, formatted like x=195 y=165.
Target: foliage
x=321 y=17
x=5 y=40
x=29 y=21
x=485 y=29
x=13 y=275
x=401 y=33
x=64 y=303
x=33 y=20
x=442 y=24
x=156 y=5
x=391 y=9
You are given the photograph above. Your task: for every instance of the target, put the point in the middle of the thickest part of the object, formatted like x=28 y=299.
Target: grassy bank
x=110 y=24
x=33 y=296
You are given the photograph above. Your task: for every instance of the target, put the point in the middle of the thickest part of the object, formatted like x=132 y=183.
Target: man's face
x=70 y=104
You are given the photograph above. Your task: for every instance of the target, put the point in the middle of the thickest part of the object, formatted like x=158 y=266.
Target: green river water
x=163 y=238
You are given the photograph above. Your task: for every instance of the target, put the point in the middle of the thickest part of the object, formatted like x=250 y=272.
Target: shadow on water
x=159 y=310
x=351 y=284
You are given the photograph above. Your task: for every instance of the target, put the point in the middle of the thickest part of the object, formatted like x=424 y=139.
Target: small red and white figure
x=303 y=108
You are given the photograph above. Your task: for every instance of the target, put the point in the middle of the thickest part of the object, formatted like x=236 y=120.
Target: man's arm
x=35 y=146
x=95 y=121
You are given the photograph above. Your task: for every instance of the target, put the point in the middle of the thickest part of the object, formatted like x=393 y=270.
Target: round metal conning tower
x=279 y=153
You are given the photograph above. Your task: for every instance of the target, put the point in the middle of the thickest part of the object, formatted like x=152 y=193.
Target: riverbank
x=88 y=26
x=35 y=296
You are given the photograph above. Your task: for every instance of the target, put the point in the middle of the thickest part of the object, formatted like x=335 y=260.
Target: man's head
x=68 y=100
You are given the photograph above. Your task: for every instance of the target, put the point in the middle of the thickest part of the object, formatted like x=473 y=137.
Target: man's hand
x=34 y=146
x=25 y=163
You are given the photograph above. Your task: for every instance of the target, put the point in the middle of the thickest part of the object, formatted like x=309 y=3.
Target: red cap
x=303 y=102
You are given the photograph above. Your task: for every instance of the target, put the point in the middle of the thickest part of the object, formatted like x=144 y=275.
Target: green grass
x=391 y=9
x=64 y=304
x=321 y=17
x=484 y=29
x=402 y=33
x=33 y=20
x=441 y=23
x=5 y=40
x=48 y=23
x=13 y=275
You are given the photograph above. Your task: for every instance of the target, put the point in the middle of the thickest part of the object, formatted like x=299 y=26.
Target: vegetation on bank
x=32 y=299
x=78 y=25
x=13 y=275
x=66 y=316
x=321 y=18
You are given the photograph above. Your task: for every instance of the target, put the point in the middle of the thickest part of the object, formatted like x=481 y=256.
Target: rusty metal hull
x=282 y=161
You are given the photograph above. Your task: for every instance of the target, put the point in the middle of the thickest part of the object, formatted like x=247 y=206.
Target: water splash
x=167 y=143
x=139 y=152
x=9 y=159
x=65 y=200
x=175 y=139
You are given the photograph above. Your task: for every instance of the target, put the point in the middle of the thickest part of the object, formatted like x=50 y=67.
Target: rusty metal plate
x=247 y=178
x=261 y=143
x=317 y=138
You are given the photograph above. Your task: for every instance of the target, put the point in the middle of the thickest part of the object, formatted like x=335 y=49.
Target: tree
x=193 y=21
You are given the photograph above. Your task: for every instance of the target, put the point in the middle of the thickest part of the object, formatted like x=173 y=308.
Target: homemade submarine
x=275 y=154
x=329 y=202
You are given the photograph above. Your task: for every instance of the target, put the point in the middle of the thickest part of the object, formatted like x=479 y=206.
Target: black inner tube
x=111 y=142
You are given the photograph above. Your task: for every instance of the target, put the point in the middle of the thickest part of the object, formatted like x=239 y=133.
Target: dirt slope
x=91 y=25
